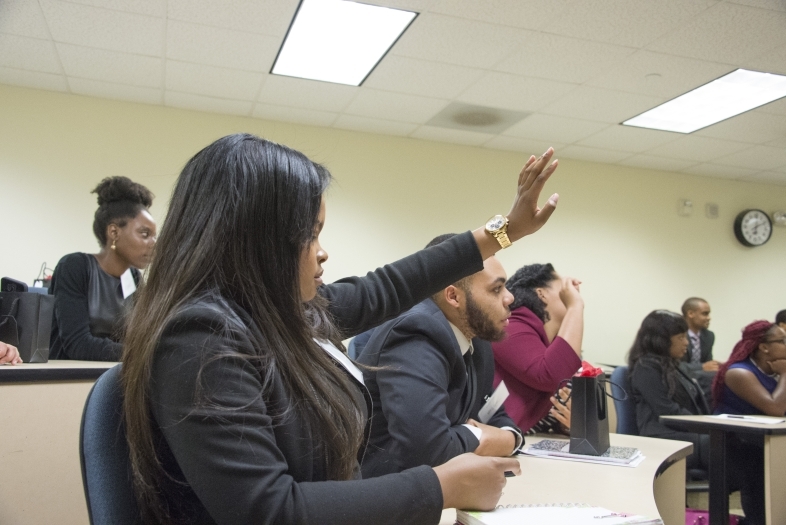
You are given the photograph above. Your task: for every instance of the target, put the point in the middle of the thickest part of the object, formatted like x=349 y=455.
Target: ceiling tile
x=418 y=6
x=524 y=145
x=309 y=117
x=307 y=94
x=757 y=157
x=698 y=148
x=769 y=177
x=657 y=163
x=22 y=52
x=421 y=77
x=752 y=127
x=96 y=27
x=551 y=128
x=723 y=172
x=212 y=81
x=778 y=107
x=454 y=136
x=579 y=60
x=268 y=17
x=110 y=66
x=394 y=106
x=773 y=61
x=601 y=105
x=208 y=104
x=659 y=75
x=575 y=151
x=374 y=125
x=220 y=47
x=447 y=39
x=143 y=7
x=95 y=88
x=726 y=33
x=775 y=5
x=627 y=22
x=502 y=90
x=529 y=14
x=23 y=18
x=626 y=138
x=33 y=79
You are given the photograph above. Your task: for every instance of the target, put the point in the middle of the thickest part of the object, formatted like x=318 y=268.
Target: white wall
x=616 y=228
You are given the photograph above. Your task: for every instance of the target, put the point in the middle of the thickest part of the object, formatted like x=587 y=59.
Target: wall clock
x=752 y=227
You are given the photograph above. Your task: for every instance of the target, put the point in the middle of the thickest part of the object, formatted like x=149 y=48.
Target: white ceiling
x=578 y=66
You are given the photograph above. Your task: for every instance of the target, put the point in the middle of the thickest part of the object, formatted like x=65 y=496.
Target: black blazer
x=650 y=394
x=237 y=464
x=706 y=341
x=419 y=393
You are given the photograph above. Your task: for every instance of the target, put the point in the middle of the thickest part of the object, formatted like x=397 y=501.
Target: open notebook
x=553 y=514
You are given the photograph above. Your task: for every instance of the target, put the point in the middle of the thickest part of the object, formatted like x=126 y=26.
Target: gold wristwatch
x=498 y=227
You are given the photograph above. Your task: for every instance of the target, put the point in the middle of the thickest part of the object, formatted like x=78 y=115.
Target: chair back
x=103 y=452
x=623 y=404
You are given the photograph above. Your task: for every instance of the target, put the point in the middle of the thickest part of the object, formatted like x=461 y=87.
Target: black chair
x=103 y=452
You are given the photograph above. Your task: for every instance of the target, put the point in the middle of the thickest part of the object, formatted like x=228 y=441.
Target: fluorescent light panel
x=730 y=95
x=339 y=41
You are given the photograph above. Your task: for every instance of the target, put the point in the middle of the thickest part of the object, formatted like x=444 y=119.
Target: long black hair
x=242 y=212
x=524 y=283
x=653 y=341
x=119 y=199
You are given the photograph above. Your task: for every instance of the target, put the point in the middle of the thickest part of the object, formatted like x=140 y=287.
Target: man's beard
x=481 y=324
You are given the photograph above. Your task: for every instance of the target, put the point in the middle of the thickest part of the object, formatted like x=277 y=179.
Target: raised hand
x=525 y=216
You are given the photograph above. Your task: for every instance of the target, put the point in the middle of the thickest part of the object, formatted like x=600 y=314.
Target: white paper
x=493 y=403
x=635 y=463
x=127 y=283
x=751 y=419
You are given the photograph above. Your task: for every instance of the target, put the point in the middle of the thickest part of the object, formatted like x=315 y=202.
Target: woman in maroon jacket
x=543 y=346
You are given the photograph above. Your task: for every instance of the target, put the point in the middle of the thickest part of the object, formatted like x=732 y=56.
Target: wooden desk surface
x=617 y=488
x=56 y=370
x=702 y=424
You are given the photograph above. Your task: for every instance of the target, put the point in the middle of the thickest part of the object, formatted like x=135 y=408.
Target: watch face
x=495 y=223
x=753 y=227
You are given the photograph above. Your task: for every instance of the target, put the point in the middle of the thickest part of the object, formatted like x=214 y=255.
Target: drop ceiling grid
x=579 y=67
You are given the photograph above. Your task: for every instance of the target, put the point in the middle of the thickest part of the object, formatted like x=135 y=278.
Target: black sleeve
x=413 y=379
x=360 y=303
x=710 y=344
x=69 y=286
x=648 y=383
x=230 y=458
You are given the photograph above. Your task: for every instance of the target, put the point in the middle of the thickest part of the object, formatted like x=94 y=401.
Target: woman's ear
x=112 y=233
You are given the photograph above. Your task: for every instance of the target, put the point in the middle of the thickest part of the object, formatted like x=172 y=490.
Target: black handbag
x=26 y=323
x=589 y=416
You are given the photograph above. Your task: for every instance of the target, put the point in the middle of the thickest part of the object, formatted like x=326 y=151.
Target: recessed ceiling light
x=339 y=41
x=730 y=95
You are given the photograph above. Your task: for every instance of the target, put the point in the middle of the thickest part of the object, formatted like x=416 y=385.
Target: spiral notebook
x=553 y=514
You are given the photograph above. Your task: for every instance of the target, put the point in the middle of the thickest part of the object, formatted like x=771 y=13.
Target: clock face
x=753 y=227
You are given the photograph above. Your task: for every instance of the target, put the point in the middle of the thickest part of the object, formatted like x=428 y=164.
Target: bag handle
x=566 y=382
x=14 y=310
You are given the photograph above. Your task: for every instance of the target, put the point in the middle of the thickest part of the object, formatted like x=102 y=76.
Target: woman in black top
x=660 y=388
x=94 y=291
x=241 y=406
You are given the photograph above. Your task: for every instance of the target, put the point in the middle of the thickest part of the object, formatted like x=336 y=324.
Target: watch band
x=502 y=237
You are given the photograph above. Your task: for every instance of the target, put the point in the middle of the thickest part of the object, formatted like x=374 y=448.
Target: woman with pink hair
x=752 y=381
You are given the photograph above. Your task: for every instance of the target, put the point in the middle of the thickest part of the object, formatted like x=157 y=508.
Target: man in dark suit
x=432 y=375
x=700 y=340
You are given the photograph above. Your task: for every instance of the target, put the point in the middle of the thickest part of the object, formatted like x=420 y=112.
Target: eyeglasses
x=781 y=341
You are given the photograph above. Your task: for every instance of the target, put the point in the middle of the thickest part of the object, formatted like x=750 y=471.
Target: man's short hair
x=690 y=304
x=461 y=283
x=780 y=317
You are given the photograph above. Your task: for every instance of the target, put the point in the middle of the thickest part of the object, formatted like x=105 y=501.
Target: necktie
x=471 y=379
x=695 y=354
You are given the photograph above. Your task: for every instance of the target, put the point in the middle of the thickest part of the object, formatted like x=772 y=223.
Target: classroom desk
x=774 y=462
x=40 y=414
x=655 y=488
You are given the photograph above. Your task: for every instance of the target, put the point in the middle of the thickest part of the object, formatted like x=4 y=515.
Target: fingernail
x=554 y=199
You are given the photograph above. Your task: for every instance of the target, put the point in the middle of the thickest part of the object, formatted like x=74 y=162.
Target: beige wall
x=616 y=228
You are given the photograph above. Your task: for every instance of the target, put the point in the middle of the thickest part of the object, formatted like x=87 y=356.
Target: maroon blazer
x=531 y=367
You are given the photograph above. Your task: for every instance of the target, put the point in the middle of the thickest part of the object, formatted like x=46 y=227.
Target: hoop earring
x=114 y=247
